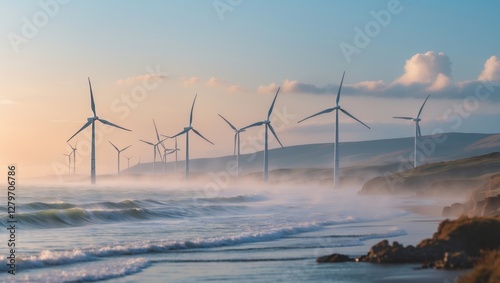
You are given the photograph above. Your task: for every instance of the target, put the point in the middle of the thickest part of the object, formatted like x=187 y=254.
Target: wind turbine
x=119 y=152
x=186 y=131
x=155 y=147
x=74 y=156
x=128 y=161
x=69 y=162
x=236 y=141
x=336 y=146
x=173 y=150
x=91 y=121
x=418 y=132
x=267 y=122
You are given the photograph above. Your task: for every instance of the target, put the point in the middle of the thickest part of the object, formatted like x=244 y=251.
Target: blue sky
x=235 y=59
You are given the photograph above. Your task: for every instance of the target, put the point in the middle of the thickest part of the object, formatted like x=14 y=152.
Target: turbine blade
x=319 y=113
x=192 y=108
x=420 y=111
x=156 y=130
x=168 y=137
x=406 y=118
x=181 y=133
x=111 y=124
x=126 y=148
x=349 y=114
x=159 y=152
x=340 y=87
x=274 y=133
x=81 y=129
x=419 y=131
x=114 y=146
x=92 y=104
x=198 y=133
x=253 y=125
x=150 y=143
x=272 y=105
x=73 y=148
x=230 y=125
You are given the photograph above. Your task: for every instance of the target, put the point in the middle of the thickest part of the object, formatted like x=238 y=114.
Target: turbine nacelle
x=92 y=119
x=417 y=119
x=187 y=128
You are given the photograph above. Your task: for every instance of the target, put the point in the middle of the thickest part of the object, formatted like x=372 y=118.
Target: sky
x=148 y=59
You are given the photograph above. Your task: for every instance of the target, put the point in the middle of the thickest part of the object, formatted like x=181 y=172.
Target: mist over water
x=143 y=228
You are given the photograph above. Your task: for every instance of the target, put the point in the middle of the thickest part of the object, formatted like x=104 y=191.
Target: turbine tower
x=236 y=144
x=119 y=152
x=128 y=161
x=267 y=122
x=91 y=121
x=155 y=147
x=186 y=131
x=69 y=162
x=173 y=150
x=336 y=145
x=74 y=156
x=418 y=132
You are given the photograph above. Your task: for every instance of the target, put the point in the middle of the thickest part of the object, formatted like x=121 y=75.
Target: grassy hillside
x=458 y=177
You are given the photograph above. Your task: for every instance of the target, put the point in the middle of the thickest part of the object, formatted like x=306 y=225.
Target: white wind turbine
x=74 y=156
x=418 y=132
x=236 y=144
x=119 y=152
x=69 y=162
x=155 y=147
x=267 y=122
x=336 y=145
x=186 y=131
x=165 y=153
x=173 y=150
x=91 y=121
x=128 y=161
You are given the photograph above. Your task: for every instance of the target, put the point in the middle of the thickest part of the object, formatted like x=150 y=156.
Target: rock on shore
x=457 y=244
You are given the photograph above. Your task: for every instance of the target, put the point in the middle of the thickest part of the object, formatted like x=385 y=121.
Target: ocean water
x=167 y=233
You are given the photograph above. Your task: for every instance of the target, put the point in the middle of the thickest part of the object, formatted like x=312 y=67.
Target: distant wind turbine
x=174 y=150
x=91 y=121
x=164 y=158
x=267 y=122
x=418 y=132
x=74 y=156
x=119 y=152
x=69 y=162
x=236 y=144
x=336 y=145
x=186 y=131
x=155 y=147
x=128 y=161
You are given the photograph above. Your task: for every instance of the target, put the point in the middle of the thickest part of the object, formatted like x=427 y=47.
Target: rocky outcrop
x=483 y=202
x=456 y=244
x=334 y=258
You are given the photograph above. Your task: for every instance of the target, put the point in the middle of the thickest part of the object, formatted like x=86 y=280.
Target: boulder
x=334 y=258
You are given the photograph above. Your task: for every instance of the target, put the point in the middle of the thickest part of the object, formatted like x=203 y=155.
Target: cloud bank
x=424 y=73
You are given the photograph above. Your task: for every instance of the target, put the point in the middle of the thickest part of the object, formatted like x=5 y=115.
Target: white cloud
x=189 y=81
x=235 y=89
x=491 y=71
x=214 y=82
x=266 y=89
x=430 y=68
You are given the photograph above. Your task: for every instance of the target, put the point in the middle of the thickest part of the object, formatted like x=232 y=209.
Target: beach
x=182 y=233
